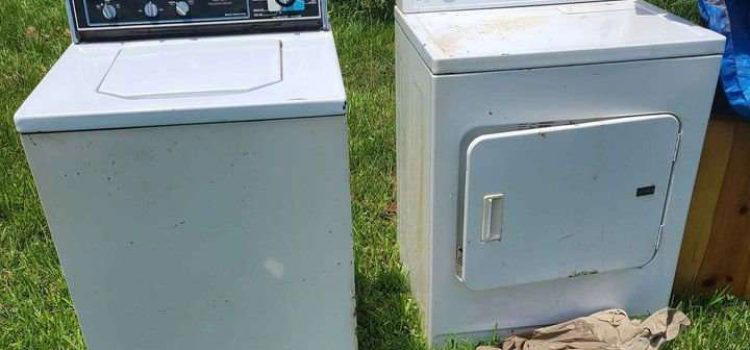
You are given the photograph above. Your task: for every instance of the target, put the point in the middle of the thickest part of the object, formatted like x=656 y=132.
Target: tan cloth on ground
x=605 y=330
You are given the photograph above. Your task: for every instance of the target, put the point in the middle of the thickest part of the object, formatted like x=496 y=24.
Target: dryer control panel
x=123 y=19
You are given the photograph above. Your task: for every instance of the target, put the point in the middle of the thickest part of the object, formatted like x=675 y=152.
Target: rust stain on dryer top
x=459 y=37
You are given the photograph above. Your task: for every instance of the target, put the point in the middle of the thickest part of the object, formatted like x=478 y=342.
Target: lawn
x=35 y=310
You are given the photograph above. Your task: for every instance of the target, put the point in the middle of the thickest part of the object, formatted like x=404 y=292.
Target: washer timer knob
x=109 y=11
x=150 y=10
x=182 y=8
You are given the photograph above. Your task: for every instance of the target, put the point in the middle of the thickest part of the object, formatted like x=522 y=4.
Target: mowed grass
x=35 y=309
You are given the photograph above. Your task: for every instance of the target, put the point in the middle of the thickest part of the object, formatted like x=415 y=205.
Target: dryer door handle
x=492 y=217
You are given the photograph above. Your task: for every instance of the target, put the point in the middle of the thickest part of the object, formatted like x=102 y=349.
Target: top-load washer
x=196 y=185
x=546 y=156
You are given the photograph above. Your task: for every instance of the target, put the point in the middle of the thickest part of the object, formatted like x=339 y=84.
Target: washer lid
x=555 y=35
x=187 y=81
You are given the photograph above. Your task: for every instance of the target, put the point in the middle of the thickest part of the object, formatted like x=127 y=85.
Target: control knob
x=150 y=10
x=109 y=11
x=182 y=8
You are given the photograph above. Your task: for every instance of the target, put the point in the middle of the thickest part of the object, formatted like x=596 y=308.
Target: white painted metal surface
x=548 y=36
x=187 y=216
x=570 y=200
x=440 y=110
x=411 y=6
x=212 y=68
x=80 y=91
x=212 y=236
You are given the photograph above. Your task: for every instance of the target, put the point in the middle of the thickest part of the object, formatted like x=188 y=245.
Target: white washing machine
x=546 y=156
x=196 y=186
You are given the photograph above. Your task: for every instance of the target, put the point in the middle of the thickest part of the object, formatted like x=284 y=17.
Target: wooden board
x=716 y=248
x=714 y=159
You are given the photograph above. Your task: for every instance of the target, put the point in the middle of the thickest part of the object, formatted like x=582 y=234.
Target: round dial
x=182 y=8
x=109 y=11
x=285 y=3
x=150 y=9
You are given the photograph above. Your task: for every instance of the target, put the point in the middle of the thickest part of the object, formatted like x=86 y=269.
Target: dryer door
x=564 y=201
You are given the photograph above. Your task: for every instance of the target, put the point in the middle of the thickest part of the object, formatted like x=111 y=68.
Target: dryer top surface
x=553 y=35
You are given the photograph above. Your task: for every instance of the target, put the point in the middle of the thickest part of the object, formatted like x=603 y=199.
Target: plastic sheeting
x=732 y=19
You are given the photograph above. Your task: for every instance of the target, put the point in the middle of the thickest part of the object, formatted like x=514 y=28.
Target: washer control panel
x=138 y=18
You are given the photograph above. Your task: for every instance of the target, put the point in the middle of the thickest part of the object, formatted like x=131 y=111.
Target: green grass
x=35 y=310
x=685 y=8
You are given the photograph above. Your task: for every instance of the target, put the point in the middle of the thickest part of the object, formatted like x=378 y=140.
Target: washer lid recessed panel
x=564 y=201
x=554 y=35
x=190 y=70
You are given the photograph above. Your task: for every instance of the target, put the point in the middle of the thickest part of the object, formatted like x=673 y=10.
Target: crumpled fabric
x=605 y=330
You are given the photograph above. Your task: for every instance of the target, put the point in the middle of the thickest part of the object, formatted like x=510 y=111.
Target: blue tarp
x=732 y=19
